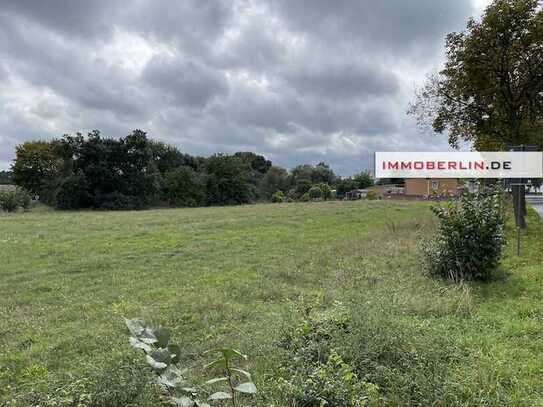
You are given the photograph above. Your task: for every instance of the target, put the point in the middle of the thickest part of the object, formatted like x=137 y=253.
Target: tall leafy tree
x=276 y=179
x=490 y=92
x=228 y=181
x=364 y=179
x=38 y=167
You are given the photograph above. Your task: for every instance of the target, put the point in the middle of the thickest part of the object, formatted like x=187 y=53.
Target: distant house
x=425 y=187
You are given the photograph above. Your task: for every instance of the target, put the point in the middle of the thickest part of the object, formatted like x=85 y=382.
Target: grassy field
x=228 y=276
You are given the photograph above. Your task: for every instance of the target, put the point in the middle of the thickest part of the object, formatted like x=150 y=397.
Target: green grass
x=226 y=276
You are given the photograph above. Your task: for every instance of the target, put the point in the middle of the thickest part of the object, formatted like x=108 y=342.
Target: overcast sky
x=298 y=81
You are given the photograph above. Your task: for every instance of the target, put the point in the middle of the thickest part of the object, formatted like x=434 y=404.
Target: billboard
x=459 y=164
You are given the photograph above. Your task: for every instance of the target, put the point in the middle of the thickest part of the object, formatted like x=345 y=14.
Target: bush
x=315 y=193
x=470 y=237
x=24 y=198
x=305 y=197
x=372 y=195
x=13 y=199
x=326 y=191
x=278 y=197
x=8 y=201
x=315 y=373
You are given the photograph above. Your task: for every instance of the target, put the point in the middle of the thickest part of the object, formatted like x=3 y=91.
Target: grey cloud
x=76 y=18
x=187 y=82
x=298 y=81
x=344 y=81
x=388 y=26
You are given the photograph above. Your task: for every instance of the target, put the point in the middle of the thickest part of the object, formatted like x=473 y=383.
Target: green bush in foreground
x=314 y=372
x=470 y=237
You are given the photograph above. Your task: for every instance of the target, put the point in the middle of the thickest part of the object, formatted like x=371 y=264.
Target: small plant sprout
x=163 y=358
x=238 y=380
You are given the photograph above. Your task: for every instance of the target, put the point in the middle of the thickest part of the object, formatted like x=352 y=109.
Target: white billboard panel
x=459 y=164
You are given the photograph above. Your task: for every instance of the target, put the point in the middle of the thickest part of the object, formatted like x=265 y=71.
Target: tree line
x=136 y=172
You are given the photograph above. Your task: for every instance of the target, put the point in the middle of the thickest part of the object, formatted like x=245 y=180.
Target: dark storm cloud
x=299 y=81
x=187 y=82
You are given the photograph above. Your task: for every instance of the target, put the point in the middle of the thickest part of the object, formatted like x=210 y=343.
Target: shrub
x=372 y=195
x=305 y=197
x=163 y=358
x=315 y=373
x=470 y=237
x=326 y=191
x=278 y=197
x=24 y=198
x=315 y=192
x=8 y=201
x=15 y=198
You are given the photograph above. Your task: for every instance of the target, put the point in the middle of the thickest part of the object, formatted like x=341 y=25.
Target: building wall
x=427 y=186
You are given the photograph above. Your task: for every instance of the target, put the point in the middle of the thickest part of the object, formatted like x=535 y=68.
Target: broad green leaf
x=137 y=344
x=135 y=326
x=220 y=395
x=216 y=380
x=216 y=363
x=229 y=353
x=163 y=337
x=248 y=387
x=243 y=372
x=147 y=336
x=154 y=364
x=183 y=402
x=175 y=351
x=162 y=355
x=171 y=377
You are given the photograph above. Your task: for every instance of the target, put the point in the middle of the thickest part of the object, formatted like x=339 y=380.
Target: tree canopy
x=490 y=92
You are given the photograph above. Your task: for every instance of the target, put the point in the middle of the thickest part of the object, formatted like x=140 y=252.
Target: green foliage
x=37 y=168
x=276 y=179
x=8 y=201
x=12 y=199
x=345 y=185
x=184 y=187
x=302 y=187
x=227 y=181
x=372 y=195
x=363 y=179
x=6 y=178
x=73 y=192
x=315 y=193
x=490 y=92
x=237 y=380
x=470 y=237
x=322 y=173
x=116 y=382
x=325 y=190
x=163 y=358
x=278 y=197
x=314 y=373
